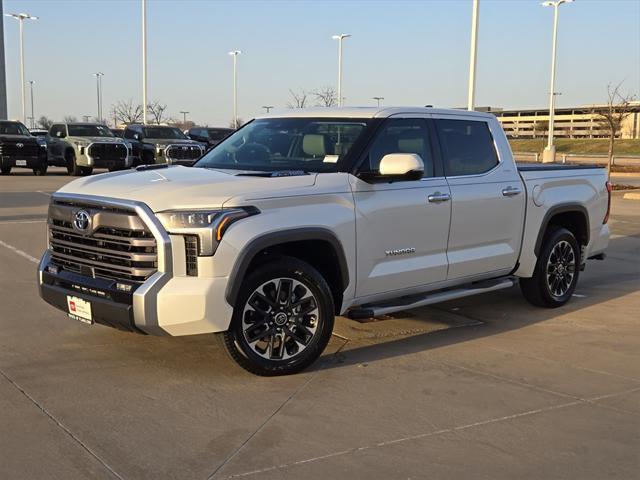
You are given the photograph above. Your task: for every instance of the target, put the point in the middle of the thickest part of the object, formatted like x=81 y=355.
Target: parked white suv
x=308 y=214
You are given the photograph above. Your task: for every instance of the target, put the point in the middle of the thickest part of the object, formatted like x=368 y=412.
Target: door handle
x=511 y=191
x=439 y=197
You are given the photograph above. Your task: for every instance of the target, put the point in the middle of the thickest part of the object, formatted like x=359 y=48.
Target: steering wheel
x=253 y=153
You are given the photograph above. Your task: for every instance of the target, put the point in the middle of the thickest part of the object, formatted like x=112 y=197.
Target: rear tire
x=40 y=171
x=282 y=319
x=557 y=269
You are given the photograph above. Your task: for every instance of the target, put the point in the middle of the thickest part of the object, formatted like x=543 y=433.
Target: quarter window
x=401 y=135
x=467 y=147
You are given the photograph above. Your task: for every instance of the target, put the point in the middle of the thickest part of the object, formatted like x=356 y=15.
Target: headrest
x=313 y=144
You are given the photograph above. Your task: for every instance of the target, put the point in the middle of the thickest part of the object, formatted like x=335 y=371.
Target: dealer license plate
x=21 y=163
x=79 y=309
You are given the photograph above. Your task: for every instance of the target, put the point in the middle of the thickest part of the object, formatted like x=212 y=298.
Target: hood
x=95 y=139
x=178 y=187
x=163 y=142
x=18 y=139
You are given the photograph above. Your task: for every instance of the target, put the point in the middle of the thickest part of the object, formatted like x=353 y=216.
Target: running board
x=415 y=301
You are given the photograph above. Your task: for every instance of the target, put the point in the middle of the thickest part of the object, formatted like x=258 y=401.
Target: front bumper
x=167 y=303
x=29 y=162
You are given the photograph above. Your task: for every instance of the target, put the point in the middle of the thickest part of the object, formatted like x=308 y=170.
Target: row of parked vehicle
x=81 y=147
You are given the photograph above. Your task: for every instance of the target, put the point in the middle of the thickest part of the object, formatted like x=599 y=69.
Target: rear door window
x=467 y=147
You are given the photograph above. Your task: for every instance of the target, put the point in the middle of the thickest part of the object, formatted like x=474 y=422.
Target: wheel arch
x=572 y=216
x=318 y=246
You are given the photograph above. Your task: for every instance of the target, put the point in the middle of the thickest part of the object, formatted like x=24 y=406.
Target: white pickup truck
x=307 y=214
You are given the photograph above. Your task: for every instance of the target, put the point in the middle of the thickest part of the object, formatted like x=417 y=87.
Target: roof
x=81 y=123
x=365 y=112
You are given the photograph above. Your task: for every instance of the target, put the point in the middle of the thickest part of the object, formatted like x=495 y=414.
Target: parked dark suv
x=210 y=136
x=18 y=148
x=163 y=144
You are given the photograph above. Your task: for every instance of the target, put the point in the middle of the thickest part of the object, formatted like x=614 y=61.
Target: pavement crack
x=61 y=425
x=263 y=424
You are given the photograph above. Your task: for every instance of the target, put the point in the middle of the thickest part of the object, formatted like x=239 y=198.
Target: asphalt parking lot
x=486 y=387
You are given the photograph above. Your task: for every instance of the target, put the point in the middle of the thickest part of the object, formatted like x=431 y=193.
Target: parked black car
x=18 y=148
x=210 y=136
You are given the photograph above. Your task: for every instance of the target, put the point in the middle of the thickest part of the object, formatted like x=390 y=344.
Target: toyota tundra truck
x=308 y=214
x=18 y=148
x=81 y=147
x=163 y=144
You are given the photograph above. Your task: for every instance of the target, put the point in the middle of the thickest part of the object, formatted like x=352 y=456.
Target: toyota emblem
x=82 y=221
x=19 y=145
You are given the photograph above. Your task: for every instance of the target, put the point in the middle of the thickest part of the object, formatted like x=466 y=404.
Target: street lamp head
x=341 y=36
x=557 y=3
x=21 y=16
x=235 y=52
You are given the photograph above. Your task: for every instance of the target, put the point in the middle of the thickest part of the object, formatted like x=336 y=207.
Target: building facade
x=575 y=122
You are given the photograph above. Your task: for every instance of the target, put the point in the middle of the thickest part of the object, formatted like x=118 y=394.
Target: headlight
x=81 y=144
x=208 y=225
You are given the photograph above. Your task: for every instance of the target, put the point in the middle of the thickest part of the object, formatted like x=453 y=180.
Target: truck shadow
x=474 y=317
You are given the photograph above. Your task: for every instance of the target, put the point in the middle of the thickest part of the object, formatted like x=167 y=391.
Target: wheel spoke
x=285 y=288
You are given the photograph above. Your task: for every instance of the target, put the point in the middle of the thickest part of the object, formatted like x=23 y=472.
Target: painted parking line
x=11 y=222
x=48 y=194
x=19 y=252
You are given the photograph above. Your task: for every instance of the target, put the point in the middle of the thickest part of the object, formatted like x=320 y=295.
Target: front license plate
x=21 y=163
x=79 y=309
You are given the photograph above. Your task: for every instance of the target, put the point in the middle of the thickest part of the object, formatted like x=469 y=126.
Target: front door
x=401 y=227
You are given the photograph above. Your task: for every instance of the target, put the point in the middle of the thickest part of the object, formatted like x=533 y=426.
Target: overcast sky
x=410 y=52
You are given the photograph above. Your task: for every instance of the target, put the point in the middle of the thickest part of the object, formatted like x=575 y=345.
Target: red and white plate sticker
x=79 y=309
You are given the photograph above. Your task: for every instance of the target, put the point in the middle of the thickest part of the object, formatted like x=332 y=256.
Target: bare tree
x=298 y=99
x=45 y=122
x=126 y=112
x=618 y=108
x=326 y=97
x=237 y=124
x=541 y=128
x=70 y=119
x=157 y=111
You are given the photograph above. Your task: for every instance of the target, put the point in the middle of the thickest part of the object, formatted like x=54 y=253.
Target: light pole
x=144 y=62
x=378 y=100
x=340 y=38
x=99 y=76
x=235 y=54
x=267 y=107
x=21 y=17
x=473 y=56
x=33 y=118
x=184 y=117
x=549 y=153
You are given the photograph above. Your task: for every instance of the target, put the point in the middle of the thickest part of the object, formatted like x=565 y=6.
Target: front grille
x=108 y=151
x=27 y=150
x=119 y=245
x=183 y=152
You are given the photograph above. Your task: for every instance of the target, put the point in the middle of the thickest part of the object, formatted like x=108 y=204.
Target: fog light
x=123 y=287
x=53 y=269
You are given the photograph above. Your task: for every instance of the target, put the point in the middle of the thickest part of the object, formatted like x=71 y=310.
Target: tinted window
x=467 y=147
x=56 y=130
x=89 y=131
x=13 y=128
x=166 y=133
x=402 y=135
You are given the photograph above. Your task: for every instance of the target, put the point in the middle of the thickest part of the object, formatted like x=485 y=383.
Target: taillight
x=606 y=216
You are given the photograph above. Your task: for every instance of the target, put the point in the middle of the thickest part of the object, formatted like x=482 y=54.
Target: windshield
x=13 y=128
x=89 y=131
x=309 y=144
x=168 y=133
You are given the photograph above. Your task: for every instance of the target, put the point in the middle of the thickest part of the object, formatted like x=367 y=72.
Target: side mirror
x=401 y=166
x=136 y=136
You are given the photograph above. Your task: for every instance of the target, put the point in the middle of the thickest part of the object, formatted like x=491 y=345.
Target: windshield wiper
x=276 y=173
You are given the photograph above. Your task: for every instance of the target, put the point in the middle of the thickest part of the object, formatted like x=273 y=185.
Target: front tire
x=5 y=170
x=557 y=269
x=40 y=171
x=282 y=320
x=72 y=166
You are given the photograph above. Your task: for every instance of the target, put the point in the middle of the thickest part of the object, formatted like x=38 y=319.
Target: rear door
x=487 y=198
x=401 y=226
